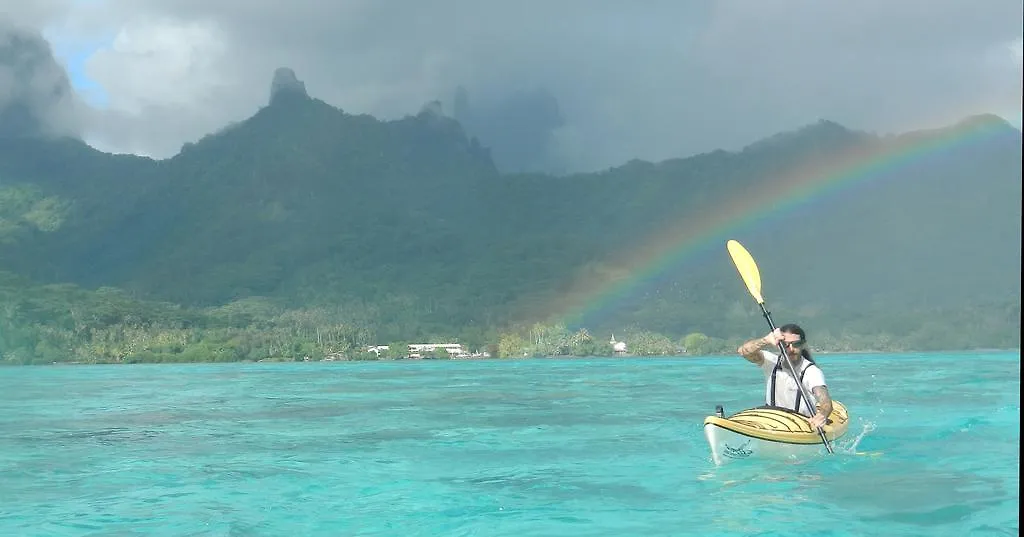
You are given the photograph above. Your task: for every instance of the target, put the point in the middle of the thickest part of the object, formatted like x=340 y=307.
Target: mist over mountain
x=521 y=130
x=36 y=98
x=411 y=227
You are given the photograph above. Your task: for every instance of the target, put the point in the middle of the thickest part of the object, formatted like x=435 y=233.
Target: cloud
x=36 y=13
x=36 y=97
x=669 y=79
x=174 y=75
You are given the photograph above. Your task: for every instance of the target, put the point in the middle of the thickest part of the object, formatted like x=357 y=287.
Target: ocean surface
x=583 y=447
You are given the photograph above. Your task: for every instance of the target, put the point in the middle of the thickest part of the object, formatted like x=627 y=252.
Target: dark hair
x=795 y=329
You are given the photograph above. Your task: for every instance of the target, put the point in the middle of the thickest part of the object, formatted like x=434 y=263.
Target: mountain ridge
x=408 y=225
x=287 y=89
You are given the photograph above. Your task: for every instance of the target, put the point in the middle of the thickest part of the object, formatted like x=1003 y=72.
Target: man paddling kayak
x=780 y=387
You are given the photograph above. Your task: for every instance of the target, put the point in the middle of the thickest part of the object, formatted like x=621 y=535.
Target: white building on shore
x=619 y=347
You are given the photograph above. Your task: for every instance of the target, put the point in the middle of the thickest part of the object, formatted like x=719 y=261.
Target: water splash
x=850 y=446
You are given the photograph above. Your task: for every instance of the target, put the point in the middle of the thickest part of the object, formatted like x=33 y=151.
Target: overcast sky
x=649 y=79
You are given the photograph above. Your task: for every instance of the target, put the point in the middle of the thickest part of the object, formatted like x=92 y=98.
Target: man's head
x=794 y=340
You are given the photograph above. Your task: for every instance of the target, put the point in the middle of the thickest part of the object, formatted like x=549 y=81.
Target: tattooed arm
x=751 y=350
x=824 y=401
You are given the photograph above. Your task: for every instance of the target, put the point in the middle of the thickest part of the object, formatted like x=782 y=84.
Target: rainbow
x=597 y=293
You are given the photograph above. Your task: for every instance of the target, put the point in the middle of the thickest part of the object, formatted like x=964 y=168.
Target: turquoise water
x=602 y=447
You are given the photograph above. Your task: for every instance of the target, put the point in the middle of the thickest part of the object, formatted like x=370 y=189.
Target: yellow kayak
x=767 y=432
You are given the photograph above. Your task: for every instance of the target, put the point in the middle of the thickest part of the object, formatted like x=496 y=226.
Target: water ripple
x=498 y=448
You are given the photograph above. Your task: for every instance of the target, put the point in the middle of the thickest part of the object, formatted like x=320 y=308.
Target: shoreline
x=518 y=359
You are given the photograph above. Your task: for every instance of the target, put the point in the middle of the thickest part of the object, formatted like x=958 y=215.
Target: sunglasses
x=795 y=344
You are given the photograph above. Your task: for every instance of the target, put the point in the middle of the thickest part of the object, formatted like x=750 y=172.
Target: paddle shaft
x=799 y=385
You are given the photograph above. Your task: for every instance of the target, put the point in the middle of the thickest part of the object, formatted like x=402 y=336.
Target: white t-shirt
x=785 y=385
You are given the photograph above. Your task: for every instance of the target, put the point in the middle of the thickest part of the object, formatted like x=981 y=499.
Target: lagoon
x=589 y=447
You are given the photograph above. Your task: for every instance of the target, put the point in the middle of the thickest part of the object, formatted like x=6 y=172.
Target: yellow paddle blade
x=747 y=268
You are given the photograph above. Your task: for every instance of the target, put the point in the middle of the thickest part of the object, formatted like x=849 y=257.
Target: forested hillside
x=307 y=231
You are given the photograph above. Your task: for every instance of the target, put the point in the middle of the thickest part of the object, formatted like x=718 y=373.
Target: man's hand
x=824 y=406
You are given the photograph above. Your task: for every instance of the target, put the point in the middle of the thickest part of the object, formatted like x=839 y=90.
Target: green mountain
x=304 y=220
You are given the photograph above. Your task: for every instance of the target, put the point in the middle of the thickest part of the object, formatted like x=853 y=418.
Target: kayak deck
x=781 y=425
